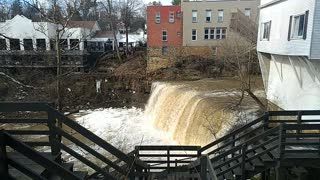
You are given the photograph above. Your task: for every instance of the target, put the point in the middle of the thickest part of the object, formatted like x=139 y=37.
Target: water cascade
x=189 y=115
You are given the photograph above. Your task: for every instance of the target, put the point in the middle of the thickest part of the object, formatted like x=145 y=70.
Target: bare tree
x=109 y=7
x=55 y=14
x=239 y=56
x=129 y=9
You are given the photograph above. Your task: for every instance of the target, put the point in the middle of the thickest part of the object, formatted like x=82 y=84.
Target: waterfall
x=190 y=116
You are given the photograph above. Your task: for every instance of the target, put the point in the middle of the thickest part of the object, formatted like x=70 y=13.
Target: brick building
x=164 y=34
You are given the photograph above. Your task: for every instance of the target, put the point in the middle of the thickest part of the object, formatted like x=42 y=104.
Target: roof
x=104 y=34
x=81 y=24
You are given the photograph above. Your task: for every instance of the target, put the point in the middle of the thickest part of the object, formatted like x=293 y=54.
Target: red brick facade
x=156 y=29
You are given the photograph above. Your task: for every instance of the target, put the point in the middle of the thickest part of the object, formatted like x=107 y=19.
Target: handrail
x=294 y=113
x=98 y=141
x=30 y=153
x=164 y=157
x=237 y=131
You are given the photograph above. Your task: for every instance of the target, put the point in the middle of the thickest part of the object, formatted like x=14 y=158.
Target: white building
x=289 y=52
x=24 y=43
x=22 y=29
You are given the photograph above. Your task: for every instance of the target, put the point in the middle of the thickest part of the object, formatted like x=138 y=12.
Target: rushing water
x=123 y=127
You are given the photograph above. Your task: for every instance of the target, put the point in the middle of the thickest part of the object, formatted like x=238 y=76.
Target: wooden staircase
x=256 y=148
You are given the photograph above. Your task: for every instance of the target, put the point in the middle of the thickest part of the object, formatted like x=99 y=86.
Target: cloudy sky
x=164 y=2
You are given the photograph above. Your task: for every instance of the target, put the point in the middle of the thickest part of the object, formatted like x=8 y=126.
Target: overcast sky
x=164 y=2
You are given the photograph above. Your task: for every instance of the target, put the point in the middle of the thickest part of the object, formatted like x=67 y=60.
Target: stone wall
x=157 y=59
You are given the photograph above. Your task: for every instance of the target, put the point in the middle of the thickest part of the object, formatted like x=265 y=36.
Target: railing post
x=168 y=159
x=53 y=138
x=281 y=140
x=266 y=121
x=243 y=162
x=233 y=143
x=203 y=167
x=299 y=119
x=4 y=172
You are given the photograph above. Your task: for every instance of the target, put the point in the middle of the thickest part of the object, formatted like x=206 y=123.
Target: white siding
x=293 y=86
x=280 y=14
x=315 y=44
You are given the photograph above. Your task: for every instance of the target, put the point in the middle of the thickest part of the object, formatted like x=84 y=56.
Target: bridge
x=271 y=144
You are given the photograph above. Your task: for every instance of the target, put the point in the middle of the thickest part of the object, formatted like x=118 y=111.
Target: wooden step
x=256 y=161
x=26 y=162
x=81 y=174
x=47 y=174
x=265 y=156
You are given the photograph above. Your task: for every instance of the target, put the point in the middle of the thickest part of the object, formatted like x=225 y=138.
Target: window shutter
x=306 y=17
x=289 y=31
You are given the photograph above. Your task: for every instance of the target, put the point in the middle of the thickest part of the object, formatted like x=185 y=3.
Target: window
x=157 y=18
x=178 y=14
x=28 y=45
x=179 y=33
x=164 y=35
x=164 y=50
x=223 y=33
x=74 y=43
x=247 y=12
x=194 y=35
x=171 y=17
x=208 y=15
x=194 y=16
x=209 y=33
x=64 y=44
x=215 y=33
x=220 y=15
x=41 y=44
x=3 y=44
x=298 y=26
x=266 y=27
x=14 y=44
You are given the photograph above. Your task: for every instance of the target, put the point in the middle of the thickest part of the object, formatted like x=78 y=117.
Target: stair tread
x=25 y=161
x=18 y=156
x=81 y=174
x=256 y=161
x=265 y=156
x=46 y=173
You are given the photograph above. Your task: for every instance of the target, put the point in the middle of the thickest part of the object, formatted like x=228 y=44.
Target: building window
x=247 y=12
x=3 y=44
x=41 y=44
x=28 y=45
x=223 y=33
x=194 y=16
x=178 y=14
x=208 y=15
x=164 y=35
x=75 y=44
x=220 y=15
x=179 y=33
x=215 y=33
x=194 y=35
x=164 y=50
x=157 y=18
x=266 y=27
x=64 y=44
x=298 y=26
x=171 y=17
x=14 y=44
